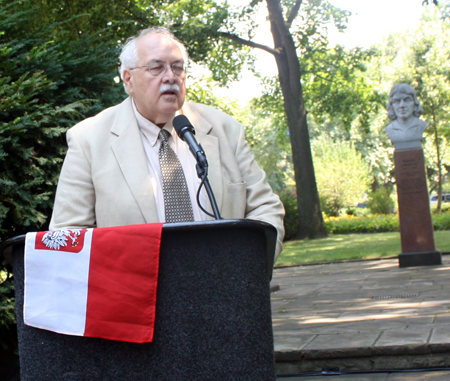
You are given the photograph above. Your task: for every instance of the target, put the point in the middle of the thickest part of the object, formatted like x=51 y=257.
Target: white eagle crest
x=58 y=238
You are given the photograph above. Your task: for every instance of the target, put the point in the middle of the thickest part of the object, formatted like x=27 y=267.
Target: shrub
x=380 y=201
x=378 y=223
x=289 y=199
x=372 y=224
x=441 y=221
x=330 y=206
x=342 y=174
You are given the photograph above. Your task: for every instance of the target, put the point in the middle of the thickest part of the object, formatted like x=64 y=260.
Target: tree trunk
x=311 y=224
x=439 y=164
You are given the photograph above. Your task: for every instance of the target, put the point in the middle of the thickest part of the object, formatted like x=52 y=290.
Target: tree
x=289 y=39
x=195 y=22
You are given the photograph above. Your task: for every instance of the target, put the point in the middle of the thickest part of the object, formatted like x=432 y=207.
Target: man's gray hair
x=129 y=57
x=408 y=90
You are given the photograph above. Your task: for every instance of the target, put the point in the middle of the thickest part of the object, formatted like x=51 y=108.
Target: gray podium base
x=213 y=319
x=423 y=258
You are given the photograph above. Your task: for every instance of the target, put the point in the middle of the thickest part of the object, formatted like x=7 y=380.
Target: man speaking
x=115 y=169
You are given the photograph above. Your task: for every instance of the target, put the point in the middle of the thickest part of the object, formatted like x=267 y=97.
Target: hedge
x=377 y=223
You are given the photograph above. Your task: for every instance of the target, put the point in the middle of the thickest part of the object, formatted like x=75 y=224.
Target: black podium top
x=202 y=227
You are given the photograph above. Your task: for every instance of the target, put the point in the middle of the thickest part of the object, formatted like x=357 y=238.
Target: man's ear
x=127 y=80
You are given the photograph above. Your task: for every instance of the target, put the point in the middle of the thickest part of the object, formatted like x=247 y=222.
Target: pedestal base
x=423 y=258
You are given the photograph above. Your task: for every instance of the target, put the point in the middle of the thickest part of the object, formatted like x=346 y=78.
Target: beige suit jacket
x=105 y=181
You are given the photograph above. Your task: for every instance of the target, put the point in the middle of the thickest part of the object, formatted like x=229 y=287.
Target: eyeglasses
x=156 y=69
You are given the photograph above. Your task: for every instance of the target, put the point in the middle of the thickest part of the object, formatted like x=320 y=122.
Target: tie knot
x=164 y=135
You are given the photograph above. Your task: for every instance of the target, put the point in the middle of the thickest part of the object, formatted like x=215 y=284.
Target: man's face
x=158 y=107
x=403 y=105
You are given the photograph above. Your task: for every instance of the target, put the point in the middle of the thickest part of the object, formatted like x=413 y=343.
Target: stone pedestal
x=416 y=227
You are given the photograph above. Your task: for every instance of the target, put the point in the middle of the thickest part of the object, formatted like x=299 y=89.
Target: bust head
x=403 y=102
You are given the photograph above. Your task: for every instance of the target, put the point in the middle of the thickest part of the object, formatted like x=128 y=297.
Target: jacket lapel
x=130 y=154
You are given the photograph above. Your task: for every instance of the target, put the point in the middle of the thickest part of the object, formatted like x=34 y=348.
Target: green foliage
x=441 y=221
x=381 y=201
x=341 y=173
x=197 y=23
x=378 y=223
x=9 y=352
x=289 y=199
x=337 y=89
x=47 y=83
x=368 y=224
x=203 y=91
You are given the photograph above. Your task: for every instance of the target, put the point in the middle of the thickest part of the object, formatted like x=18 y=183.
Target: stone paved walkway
x=361 y=316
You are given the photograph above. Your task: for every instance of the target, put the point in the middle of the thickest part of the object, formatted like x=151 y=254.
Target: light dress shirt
x=149 y=133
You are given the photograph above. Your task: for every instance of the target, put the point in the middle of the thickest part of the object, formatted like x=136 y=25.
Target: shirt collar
x=151 y=130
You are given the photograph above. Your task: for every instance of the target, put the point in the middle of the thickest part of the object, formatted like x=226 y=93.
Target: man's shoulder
x=103 y=121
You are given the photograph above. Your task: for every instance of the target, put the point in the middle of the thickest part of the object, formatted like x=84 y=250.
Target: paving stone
x=440 y=335
x=390 y=338
x=294 y=343
x=344 y=340
x=438 y=304
x=442 y=318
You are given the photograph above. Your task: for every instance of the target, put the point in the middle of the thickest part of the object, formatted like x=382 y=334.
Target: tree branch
x=252 y=44
x=294 y=12
x=142 y=20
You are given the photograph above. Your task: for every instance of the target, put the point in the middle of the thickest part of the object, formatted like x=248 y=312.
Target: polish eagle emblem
x=59 y=238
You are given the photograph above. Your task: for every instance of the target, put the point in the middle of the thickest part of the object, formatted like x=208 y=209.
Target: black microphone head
x=181 y=124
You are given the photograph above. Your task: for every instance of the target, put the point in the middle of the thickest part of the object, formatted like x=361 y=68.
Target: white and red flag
x=98 y=282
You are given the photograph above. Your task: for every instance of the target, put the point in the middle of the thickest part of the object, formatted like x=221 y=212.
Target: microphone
x=186 y=132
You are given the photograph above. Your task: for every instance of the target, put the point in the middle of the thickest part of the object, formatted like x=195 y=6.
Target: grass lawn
x=349 y=246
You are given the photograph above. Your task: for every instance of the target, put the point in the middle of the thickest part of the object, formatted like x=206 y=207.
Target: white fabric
x=149 y=134
x=68 y=300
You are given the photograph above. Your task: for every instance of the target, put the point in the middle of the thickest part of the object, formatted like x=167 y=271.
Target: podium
x=213 y=316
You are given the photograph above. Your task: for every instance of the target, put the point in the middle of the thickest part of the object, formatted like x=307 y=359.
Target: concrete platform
x=400 y=376
x=367 y=315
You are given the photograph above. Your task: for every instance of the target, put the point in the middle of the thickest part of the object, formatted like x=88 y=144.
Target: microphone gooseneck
x=186 y=132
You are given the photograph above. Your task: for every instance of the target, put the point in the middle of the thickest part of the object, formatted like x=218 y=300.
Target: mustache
x=166 y=87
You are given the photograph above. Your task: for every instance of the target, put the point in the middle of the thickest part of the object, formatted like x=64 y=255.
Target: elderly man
x=112 y=173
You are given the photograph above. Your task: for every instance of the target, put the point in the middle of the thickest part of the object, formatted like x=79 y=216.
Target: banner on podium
x=98 y=282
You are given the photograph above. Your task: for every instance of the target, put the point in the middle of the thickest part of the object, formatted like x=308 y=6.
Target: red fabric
x=74 y=243
x=123 y=278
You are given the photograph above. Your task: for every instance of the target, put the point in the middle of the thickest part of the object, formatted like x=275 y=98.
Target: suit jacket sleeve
x=75 y=195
